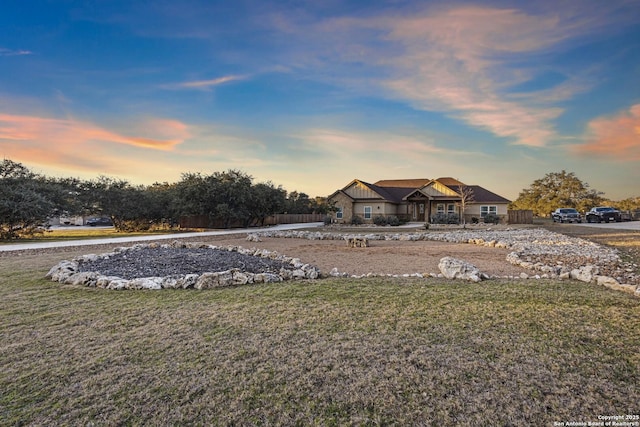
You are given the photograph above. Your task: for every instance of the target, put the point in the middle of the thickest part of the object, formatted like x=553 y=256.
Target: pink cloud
x=460 y=60
x=69 y=132
x=617 y=137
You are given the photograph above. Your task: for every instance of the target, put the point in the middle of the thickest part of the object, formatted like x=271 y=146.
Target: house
x=424 y=200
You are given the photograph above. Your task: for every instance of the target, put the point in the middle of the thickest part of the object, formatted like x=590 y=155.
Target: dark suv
x=103 y=221
x=603 y=213
x=566 y=215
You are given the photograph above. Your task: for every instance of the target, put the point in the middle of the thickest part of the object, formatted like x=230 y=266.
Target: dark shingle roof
x=392 y=194
x=482 y=195
x=394 y=190
x=403 y=183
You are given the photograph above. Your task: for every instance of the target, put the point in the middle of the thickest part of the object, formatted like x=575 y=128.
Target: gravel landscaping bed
x=164 y=261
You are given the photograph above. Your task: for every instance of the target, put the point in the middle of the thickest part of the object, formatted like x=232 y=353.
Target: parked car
x=566 y=215
x=603 y=213
x=102 y=221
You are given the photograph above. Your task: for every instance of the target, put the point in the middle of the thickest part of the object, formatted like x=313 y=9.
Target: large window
x=486 y=210
x=367 y=212
x=440 y=208
x=451 y=209
x=339 y=212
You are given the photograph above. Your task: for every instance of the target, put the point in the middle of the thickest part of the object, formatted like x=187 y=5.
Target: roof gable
x=397 y=190
x=402 y=183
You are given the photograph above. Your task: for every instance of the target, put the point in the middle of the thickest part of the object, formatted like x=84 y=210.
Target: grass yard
x=83 y=233
x=328 y=352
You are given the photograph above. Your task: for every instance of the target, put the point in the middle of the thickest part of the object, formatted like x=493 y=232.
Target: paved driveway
x=44 y=245
x=625 y=225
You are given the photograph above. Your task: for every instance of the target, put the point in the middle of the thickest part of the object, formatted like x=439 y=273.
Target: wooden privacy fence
x=203 y=221
x=520 y=216
x=293 y=218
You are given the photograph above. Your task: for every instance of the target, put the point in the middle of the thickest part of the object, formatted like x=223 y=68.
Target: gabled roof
x=482 y=195
x=403 y=183
x=449 y=182
x=396 y=190
x=391 y=194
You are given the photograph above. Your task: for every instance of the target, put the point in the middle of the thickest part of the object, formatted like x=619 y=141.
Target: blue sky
x=311 y=95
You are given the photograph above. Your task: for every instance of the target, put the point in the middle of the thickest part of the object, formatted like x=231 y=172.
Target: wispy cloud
x=11 y=52
x=617 y=137
x=464 y=61
x=69 y=132
x=205 y=84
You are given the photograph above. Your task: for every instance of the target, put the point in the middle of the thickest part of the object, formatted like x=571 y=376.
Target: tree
x=466 y=196
x=555 y=190
x=298 y=203
x=266 y=200
x=24 y=205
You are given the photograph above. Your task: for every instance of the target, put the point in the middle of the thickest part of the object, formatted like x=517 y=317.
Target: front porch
x=433 y=210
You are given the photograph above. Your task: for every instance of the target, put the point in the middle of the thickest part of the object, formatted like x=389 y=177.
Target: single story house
x=424 y=200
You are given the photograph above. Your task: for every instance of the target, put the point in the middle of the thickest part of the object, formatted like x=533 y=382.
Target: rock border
x=531 y=248
x=67 y=271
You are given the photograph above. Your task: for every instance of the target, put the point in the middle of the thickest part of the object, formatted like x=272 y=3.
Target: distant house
x=424 y=200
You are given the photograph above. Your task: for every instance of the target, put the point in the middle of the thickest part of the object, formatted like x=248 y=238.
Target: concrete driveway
x=625 y=225
x=130 y=239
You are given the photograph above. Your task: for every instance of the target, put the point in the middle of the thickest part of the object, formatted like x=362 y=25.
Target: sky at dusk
x=312 y=94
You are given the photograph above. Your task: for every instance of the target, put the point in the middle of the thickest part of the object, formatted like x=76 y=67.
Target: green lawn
x=327 y=352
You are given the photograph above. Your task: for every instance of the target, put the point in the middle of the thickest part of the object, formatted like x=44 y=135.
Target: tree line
x=565 y=190
x=29 y=200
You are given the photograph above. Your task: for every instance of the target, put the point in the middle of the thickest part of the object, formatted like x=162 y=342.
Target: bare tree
x=466 y=197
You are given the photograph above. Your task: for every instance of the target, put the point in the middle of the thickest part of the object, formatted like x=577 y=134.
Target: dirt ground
x=382 y=257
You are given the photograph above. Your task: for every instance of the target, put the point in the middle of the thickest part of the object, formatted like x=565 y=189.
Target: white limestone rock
x=585 y=273
x=453 y=268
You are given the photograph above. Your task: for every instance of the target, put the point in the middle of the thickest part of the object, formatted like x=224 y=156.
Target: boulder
x=453 y=268
x=87 y=278
x=146 y=283
x=585 y=273
x=61 y=271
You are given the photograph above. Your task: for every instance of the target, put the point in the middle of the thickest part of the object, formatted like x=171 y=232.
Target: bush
x=328 y=220
x=491 y=219
x=443 y=218
x=391 y=220
x=380 y=220
x=356 y=220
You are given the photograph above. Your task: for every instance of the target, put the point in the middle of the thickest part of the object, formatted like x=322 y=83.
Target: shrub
x=391 y=220
x=356 y=220
x=443 y=218
x=328 y=220
x=380 y=220
x=491 y=219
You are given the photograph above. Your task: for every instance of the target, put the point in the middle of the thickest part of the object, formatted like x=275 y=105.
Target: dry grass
x=330 y=352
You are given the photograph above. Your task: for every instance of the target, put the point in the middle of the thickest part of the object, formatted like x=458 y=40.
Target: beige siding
x=437 y=189
x=474 y=209
x=361 y=191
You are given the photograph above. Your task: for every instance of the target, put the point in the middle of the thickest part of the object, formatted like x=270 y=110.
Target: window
x=486 y=210
x=421 y=208
x=440 y=208
x=451 y=209
x=339 y=213
x=367 y=212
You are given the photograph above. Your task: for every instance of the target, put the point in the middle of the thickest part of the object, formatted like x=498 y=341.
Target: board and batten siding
x=361 y=191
